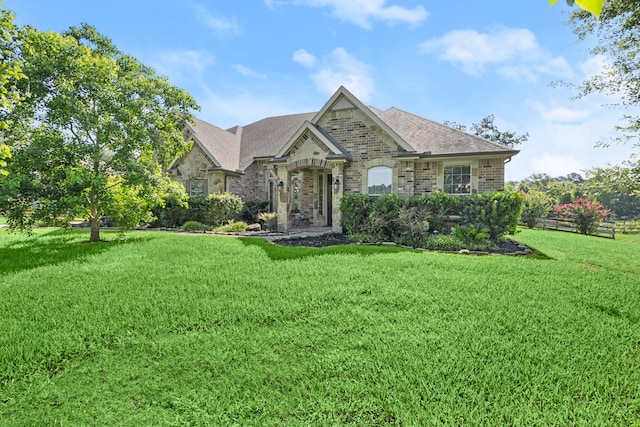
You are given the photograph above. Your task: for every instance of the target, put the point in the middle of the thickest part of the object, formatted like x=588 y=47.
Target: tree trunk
x=94 y=222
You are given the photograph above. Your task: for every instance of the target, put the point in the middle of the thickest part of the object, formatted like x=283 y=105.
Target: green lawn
x=167 y=329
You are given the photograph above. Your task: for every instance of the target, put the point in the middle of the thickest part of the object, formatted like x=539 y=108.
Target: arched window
x=379 y=180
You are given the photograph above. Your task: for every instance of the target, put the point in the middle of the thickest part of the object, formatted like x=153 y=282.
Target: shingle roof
x=224 y=146
x=438 y=139
x=236 y=148
x=266 y=137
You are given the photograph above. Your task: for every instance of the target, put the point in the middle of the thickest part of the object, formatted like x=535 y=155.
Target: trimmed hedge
x=411 y=221
x=213 y=210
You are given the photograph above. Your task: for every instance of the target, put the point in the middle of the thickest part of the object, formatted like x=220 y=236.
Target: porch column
x=336 y=196
x=283 y=198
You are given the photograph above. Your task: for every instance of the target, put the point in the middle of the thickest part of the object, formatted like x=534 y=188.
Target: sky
x=456 y=61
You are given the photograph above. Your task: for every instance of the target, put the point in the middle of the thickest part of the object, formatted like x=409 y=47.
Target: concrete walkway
x=295 y=233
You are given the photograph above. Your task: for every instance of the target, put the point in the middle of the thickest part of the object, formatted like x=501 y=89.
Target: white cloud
x=563 y=139
x=342 y=68
x=595 y=65
x=304 y=58
x=362 y=12
x=516 y=53
x=181 y=66
x=242 y=108
x=559 y=114
x=557 y=165
x=248 y=72
x=222 y=25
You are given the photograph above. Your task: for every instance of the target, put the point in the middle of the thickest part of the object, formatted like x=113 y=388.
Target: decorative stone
x=254 y=227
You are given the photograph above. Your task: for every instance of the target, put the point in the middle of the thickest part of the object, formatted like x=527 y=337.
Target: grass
x=164 y=329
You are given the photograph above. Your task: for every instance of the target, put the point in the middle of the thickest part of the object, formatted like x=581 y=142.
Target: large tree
x=10 y=74
x=617 y=38
x=488 y=130
x=99 y=125
x=617 y=187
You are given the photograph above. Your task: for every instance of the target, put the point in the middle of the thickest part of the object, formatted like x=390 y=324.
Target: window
x=197 y=187
x=457 y=179
x=379 y=180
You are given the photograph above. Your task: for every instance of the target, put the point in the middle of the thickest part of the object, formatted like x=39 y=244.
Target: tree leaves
x=96 y=116
x=593 y=6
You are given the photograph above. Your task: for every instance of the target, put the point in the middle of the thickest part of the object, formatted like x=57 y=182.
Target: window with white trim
x=457 y=179
x=379 y=180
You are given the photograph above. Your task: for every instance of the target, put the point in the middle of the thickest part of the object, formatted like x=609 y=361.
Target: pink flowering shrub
x=586 y=214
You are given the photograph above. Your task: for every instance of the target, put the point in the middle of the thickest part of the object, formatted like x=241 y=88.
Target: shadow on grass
x=279 y=252
x=52 y=248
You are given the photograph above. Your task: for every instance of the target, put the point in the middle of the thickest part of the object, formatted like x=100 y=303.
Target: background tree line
x=615 y=187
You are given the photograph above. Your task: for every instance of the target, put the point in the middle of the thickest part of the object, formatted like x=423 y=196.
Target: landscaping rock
x=254 y=227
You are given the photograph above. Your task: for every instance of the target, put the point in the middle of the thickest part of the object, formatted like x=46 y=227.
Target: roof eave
x=483 y=154
x=236 y=172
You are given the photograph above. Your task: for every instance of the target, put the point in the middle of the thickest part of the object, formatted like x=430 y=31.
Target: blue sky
x=458 y=61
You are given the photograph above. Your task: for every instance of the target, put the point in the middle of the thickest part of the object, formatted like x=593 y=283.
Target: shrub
x=414 y=227
x=232 y=227
x=252 y=209
x=172 y=212
x=269 y=219
x=498 y=211
x=472 y=233
x=356 y=210
x=443 y=243
x=586 y=214
x=385 y=218
x=197 y=209
x=194 y=226
x=390 y=218
x=222 y=208
x=535 y=206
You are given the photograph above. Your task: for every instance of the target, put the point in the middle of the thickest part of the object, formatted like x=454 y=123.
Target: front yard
x=165 y=329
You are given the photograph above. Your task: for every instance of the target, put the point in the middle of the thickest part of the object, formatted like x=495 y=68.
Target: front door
x=329 y=188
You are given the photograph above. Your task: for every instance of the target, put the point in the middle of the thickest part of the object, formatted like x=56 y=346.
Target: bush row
x=213 y=210
x=411 y=221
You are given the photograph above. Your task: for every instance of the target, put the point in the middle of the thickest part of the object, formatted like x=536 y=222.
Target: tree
x=617 y=187
x=617 y=38
x=488 y=130
x=535 y=206
x=593 y=6
x=101 y=126
x=10 y=74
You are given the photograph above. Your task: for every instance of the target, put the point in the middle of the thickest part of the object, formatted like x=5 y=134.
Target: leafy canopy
x=10 y=74
x=616 y=38
x=593 y=6
x=488 y=130
x=98 y=126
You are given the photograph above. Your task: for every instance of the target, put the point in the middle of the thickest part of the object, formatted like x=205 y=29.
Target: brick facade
x=334 y=155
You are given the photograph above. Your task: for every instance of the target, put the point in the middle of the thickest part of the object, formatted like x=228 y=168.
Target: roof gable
x=220 y=146
x=333 y=148
x=342 y=99
x=266 y=137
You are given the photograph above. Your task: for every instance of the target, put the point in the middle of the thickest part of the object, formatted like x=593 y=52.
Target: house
x=303 y=163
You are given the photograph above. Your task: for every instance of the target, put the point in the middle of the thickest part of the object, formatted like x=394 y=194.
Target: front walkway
x=297 y=233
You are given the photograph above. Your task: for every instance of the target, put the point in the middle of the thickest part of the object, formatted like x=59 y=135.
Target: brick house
x=303 y=163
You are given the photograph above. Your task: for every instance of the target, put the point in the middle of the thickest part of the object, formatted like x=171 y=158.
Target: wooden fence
x=552 y=222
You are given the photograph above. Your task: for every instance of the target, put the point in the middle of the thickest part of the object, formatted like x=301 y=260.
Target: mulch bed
x=506 y=247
